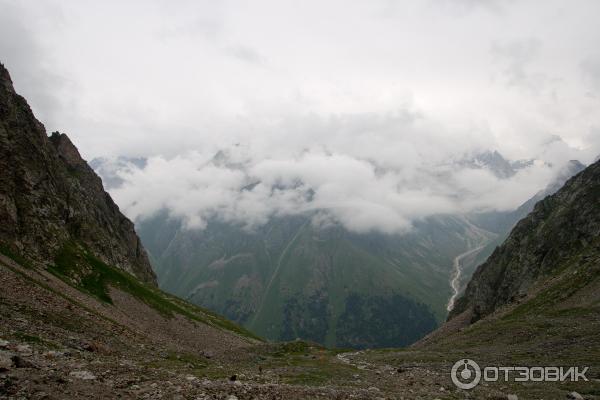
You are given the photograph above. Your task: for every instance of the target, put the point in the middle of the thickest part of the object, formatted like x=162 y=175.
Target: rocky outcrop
x=50 y=197
x=553 y=236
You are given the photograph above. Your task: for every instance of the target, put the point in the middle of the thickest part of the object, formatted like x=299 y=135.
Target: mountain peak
x=51 y=198
x=495 y=162
x=66 y=149
x=5 y=79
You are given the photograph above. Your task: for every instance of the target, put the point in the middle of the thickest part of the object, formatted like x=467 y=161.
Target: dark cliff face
x=50 y=197
x=562 y=232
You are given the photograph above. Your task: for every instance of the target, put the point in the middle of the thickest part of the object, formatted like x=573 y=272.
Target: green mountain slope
x=291 y=279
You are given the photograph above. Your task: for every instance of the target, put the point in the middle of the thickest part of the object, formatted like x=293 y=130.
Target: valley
x=457 y=274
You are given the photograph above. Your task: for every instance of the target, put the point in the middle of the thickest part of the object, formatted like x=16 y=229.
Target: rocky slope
x=560 y=230
x=50 y=197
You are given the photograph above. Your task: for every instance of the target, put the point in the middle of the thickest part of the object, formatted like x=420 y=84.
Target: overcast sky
x=365 y=103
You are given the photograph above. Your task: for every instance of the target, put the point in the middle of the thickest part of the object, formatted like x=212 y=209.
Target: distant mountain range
x=291 y=279
x=495 y=163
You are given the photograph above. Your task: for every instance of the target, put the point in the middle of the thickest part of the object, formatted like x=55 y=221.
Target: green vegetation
x=76 y=266
x=34 y=339
x=14 y=256
x=295 y=347
x=174 y=361
x=289 y=279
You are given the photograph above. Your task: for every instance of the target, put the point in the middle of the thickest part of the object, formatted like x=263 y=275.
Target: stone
x=24 y=349
x=20 y=362
x=83 y=375
x=54 y=354
x=5 y=360
x=574 y=396
x=4 y=344
x=512 y=397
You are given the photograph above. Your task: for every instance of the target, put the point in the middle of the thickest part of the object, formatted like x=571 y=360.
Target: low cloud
x=516 y=58
x=392 y=173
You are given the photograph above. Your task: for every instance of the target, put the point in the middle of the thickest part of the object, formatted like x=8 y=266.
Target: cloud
x=463 y=6
x=517 y=57
x=591 y=74
x=246 y=54
x=400 y=173
x=28 y=61
x=248 y=110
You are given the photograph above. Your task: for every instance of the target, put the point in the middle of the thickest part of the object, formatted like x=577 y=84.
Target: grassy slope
x=343 y=268
x=227 y=269
x=82 y=270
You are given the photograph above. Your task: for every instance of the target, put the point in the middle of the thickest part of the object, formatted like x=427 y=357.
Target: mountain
x=293 y=279
x=534 y=302
x=51 y=198
x=494 y=162
x=78 y=298
x=502 y=222
x=560 y=236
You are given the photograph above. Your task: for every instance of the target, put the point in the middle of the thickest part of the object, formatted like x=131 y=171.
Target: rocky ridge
x=554 y=234
x=49 y=196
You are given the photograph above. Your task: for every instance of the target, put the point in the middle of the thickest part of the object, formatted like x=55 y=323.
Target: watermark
x=466 y=374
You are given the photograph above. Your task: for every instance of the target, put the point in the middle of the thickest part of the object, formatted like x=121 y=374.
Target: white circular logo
x=466 y=374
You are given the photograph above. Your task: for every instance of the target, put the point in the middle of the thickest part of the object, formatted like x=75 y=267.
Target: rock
x=512 y=397
x=19 y=362
x=233 y=378
x=84 y=375
x=4 y=344
x=232 y=397
x=24 y=349
x=5 y=360
x=574 y=396
x=89 y=346
x=75 y=205
x=54 y=354
x=208 y=354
